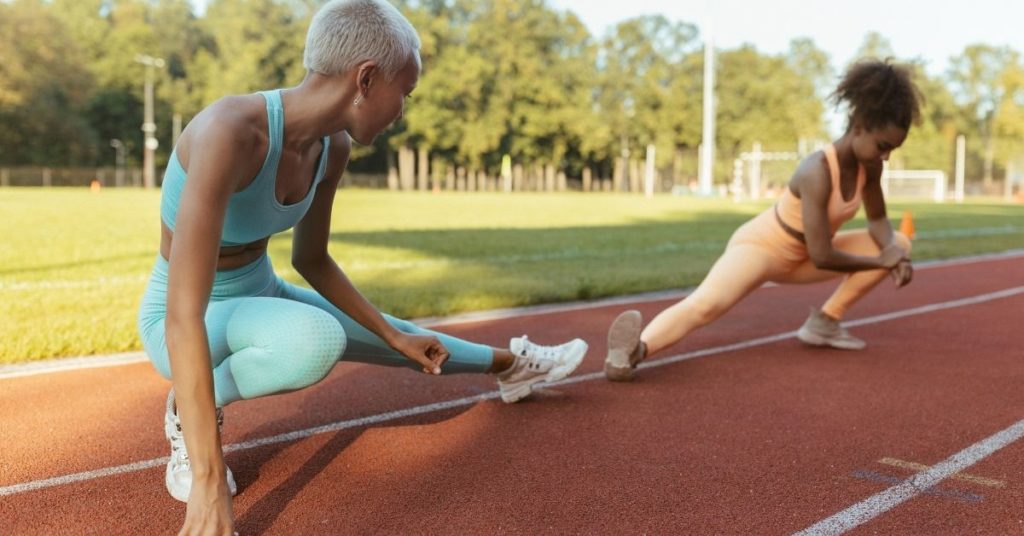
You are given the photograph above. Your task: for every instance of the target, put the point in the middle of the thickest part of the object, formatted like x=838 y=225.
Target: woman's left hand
x=426 y=350
x=902 y=273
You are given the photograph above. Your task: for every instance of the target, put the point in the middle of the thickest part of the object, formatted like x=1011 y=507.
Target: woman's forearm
x=331 y=282
x=192 y=376
x=881 y=232
x=839 y=261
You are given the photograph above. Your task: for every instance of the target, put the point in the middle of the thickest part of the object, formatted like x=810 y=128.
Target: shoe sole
x=575 y=357
x=814 y=339
x=623 y=337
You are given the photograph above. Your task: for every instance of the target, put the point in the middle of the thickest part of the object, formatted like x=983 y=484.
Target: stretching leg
x=365 y=347
x=739 y=271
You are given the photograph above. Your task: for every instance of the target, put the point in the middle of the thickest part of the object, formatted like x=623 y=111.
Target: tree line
x=501 y=77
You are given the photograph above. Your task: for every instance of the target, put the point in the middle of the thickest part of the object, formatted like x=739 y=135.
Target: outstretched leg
x=738 y=272
x=741 y=269
x=517 y=367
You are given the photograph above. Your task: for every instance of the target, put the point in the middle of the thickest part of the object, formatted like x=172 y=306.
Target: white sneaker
x=178 y=476
x=536 y=363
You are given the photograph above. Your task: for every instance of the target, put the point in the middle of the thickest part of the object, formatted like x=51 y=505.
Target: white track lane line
x=467 y=401
x=884 y=501
x=87 y=362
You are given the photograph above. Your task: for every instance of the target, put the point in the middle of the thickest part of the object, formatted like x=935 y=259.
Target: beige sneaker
x=536 y=363
x=623 y=338
x=178 y=476
x=822 y=330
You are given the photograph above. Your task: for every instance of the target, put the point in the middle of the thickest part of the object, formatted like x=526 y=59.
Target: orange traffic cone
x=907 y=224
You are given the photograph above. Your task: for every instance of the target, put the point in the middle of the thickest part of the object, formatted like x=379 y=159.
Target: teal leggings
x=267 y=336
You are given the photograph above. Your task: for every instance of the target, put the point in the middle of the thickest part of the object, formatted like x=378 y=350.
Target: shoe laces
x=179 y=454
x=537 y=354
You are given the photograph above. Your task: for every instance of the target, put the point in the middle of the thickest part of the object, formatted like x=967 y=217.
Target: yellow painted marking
x=992 y=483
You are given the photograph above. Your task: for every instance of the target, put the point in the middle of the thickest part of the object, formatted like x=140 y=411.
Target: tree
x=977 y=77
x=813 y=64
x=43 y=89
x=930 y=143
x=761 y=98
x=253 y=44
x=1008 y=124
x=500 y=77
x=875 y=46
x=649 y=90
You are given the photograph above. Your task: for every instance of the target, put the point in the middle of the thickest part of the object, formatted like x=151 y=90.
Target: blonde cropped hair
x=345 y=33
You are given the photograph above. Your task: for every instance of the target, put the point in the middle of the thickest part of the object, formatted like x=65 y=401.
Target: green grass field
x=73 y=264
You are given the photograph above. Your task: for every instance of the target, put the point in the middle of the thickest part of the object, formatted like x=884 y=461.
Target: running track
x=738 y=430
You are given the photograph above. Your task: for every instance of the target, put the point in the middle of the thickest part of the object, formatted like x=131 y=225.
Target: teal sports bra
x=253 y=213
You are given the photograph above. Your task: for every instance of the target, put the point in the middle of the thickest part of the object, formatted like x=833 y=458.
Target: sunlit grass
x=73 y=264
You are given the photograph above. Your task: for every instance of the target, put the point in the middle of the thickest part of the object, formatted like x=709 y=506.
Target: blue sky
x=932 y=30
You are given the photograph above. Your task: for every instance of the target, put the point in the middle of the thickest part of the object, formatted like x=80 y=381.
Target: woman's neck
x=844 y=151
x=314 y=109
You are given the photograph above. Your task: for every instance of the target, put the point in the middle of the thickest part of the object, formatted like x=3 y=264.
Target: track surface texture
x=739 y=429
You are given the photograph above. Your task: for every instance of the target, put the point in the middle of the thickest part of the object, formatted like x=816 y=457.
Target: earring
x=358 y=101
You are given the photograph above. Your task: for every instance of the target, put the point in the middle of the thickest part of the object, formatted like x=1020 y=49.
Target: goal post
x=915 y=184
x=749 y=163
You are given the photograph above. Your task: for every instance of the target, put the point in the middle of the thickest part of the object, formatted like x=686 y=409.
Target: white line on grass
x=72 y=363
x=884 y=501
x=14 y=285
x=467 y=401
x=64 y=284
x=75 y=363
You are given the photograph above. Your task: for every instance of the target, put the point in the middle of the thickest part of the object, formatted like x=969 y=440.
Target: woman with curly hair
x=797 y=239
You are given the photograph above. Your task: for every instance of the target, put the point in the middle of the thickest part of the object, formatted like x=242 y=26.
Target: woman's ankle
x=639 y=353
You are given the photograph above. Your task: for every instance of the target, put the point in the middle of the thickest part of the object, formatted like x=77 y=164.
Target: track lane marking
x=86 y=362
x=470 y=400
x=879 y=503
x=914 y=466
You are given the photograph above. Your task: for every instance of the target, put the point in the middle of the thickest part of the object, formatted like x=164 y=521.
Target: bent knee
x=155 y=347
x=312 y=347
x=903 y=241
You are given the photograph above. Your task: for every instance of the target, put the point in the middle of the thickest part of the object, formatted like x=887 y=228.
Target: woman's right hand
x=903 y=273
x=426 y=350
x=209 y=510
x=891 y=256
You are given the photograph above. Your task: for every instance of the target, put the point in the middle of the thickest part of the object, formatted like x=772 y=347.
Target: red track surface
x=764 y=440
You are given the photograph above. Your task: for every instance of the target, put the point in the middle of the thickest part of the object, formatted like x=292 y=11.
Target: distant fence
x=520 y=179
x=111 y=177
x=46 y=176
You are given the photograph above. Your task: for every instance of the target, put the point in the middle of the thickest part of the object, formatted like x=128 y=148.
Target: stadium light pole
x=707 y=157
x=148 y=126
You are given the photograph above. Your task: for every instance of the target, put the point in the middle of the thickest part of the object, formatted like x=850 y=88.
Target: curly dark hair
x=879 y=93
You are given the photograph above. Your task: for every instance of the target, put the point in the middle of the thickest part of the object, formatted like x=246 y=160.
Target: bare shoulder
x=237 y=123
x=811 y=175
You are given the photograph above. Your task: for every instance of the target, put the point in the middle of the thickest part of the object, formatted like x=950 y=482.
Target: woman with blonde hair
x=218 y=322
